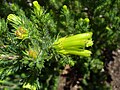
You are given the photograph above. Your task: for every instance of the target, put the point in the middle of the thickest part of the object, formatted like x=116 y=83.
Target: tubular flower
x=21 y=33
x=74 y=44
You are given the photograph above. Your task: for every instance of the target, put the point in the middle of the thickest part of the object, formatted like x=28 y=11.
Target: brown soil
x=114 y=70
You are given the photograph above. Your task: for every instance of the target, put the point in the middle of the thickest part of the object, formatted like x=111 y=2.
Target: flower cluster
x=74 y=44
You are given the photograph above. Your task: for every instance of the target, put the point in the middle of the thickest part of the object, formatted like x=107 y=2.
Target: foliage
x=29 y=30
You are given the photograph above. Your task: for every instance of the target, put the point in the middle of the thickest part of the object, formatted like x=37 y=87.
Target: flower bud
x=65 y=7
x=14 y=19
x=37 y=8
x=87 y=20
x=108 y=28
x=36 y=5
x=81 y=19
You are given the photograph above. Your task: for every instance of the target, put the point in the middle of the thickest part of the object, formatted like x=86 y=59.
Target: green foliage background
x=17 y=69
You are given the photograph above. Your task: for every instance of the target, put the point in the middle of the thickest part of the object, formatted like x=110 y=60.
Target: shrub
x=35 y=42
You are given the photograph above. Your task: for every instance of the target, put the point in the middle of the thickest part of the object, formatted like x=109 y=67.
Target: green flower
x=74 y=44
x=80 y=52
